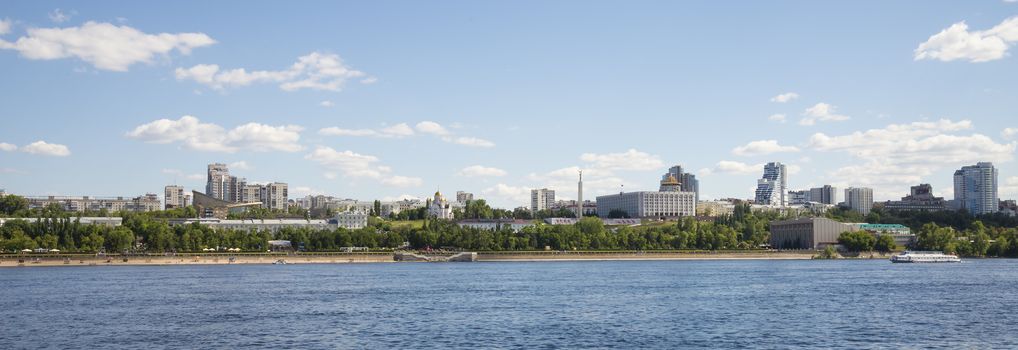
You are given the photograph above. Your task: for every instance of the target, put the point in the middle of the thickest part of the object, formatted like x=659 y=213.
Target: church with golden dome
x=439 y=208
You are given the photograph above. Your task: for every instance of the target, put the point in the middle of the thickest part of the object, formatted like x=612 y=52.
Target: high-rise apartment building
x=826 y=194
x=859 y=199
x=220 y=185
x=274 y=195
x=249 y=193
x=975 y=188
x=771 y=189
x=541 y=199
x=175 y=197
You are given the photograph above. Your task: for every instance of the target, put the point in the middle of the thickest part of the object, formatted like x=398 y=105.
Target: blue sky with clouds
x=385 y=99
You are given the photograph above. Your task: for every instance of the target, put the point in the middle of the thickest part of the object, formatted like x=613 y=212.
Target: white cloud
x=629 y=160
x=469 y=141
x=326 y=104
x=369 y=80
x=762 y=147
x=481 y=171
x=106 y=46
x=5 y=27
x=734 y=167
x=398 y=130
x=1010 y=188
x=785 y=97
x=240 y=165
x=46 y=149
x=316 y=71
x=793 y=169
x=355 y=165
x=58 y=16
x=596 y=182
x=515 y=195
x=1009 y=132
x=402 y=181
x=399 y=198
x=394 y=131
x=430 y=127
x=433 y=128
x=821 y=112
x=900 y=155
x=193 y=134
x=6 y=147
x=958 y=43
x=780 y=118
x=304 y=191
x=179 y=173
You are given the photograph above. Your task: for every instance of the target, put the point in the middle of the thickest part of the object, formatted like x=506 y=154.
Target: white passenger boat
x=924 y=257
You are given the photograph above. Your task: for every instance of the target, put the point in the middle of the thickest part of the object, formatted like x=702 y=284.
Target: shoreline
x=361 y=258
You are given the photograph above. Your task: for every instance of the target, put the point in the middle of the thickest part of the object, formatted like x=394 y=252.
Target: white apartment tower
x=219 y=184
x=175 y=197
x=541 y=199
x=975 y=188
x=826 y=194
x=772 y=188
x=859 y=199
x=274 y=195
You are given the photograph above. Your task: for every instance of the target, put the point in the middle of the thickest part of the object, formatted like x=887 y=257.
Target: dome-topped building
x=440 y=208
x=670 y=184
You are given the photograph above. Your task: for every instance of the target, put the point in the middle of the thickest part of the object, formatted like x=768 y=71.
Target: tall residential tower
x=772 y=188
x=975 y=188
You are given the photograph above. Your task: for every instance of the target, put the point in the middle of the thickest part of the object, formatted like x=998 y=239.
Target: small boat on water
x=279 y=262
x=924 y=257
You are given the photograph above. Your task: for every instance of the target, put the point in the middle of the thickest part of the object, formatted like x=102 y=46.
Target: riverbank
x=643 y=255
x=189 y=259
x=384 y=257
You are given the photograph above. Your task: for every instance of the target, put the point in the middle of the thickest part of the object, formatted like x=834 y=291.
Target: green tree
x=884 y=243
x=857 y=241
x=11 y=205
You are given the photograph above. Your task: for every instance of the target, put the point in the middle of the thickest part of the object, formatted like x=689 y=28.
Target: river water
x=525 y=305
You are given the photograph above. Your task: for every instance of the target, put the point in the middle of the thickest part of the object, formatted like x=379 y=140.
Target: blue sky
x=388 y=99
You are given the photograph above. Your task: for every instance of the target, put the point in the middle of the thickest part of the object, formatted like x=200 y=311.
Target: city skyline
x=328 y=110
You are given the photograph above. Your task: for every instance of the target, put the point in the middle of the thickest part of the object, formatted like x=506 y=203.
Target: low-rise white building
x=606 y=222
x=86 y=220
x=347 y=220
x=148 y=202
x=494 y=225
x=350 y=220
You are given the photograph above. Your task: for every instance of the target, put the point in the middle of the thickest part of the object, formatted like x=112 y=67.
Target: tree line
x=151 y=232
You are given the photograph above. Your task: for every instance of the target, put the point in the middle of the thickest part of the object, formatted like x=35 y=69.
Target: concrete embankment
x=191 y=259
x=643 y=255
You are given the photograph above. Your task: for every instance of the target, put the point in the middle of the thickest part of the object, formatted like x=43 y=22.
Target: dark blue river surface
x=544 y=305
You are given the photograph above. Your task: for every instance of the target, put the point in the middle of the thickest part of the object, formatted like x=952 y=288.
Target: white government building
x=668 y=202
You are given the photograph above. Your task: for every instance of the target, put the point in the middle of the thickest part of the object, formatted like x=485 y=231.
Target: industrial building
x=816 y=233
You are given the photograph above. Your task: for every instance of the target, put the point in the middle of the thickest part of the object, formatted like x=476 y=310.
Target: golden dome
x=671 y=180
